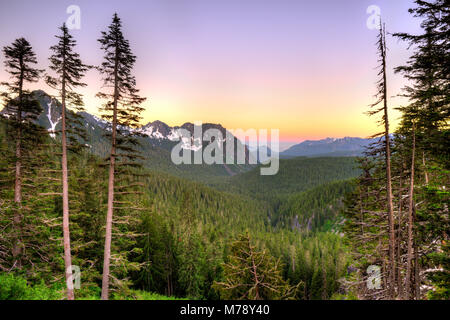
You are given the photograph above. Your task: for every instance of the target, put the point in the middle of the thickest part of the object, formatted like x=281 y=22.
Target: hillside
x=295 y=175
x=316 y=209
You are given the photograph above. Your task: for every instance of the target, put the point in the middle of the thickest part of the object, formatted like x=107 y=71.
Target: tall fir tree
x=122 y=110
x=22 y=110
x=69 y=70
x=382 y=96
x=428 y=73
x=419 y=165
x=426 y=119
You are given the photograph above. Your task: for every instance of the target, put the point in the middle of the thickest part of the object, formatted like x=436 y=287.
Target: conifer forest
x=93 y=207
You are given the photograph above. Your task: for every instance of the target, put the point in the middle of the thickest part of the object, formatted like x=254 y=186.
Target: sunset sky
x=306 y=68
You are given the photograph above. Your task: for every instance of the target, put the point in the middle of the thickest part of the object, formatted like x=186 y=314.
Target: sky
x=307 y=68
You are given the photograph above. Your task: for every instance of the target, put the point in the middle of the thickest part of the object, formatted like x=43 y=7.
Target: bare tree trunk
x=109 y=214
x=17 y=246
x=410 y=223
x=416 y=265
x=384 y=272
x=361 y=211
x=65 y=193
x=425 y=167
x=109 y=217
x=390 y=205
x=416 y=271
x=399 y=239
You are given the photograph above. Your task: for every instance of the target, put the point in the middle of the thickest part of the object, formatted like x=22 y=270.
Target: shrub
x=14 y=287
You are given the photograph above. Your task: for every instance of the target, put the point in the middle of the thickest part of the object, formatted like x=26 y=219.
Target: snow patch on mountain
x=174 y=135
x=53 y=124
x=158 y=135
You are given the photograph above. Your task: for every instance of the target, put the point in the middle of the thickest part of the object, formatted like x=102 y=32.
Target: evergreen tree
x=419 y=166
x=317 y=284
x=427 y=70
x=122 y=109
x=425 y=121
x=69 y=70
x=382 y=98
x=22 y=110
x=158 y=256
x=253 y=274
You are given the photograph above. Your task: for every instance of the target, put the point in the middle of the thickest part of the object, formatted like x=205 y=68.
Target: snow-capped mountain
x=158 y=130
x=158 y=134
x=157 y=139
x=51 y=112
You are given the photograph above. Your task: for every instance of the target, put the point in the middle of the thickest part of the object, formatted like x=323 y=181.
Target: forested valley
x=108 y=209
x=176 y=241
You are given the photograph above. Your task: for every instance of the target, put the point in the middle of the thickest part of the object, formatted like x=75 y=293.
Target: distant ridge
x=331 y=147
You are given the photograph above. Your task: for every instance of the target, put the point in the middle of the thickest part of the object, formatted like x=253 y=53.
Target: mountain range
x=158 y=139
x=329 y=147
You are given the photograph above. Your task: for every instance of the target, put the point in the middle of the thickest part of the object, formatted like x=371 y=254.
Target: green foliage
x=295 y=175
x=420 y=177
x=144 y=295
x=182 y=235
x=314 y=209
x=16 y=288
x=251 y=273
x=440 y=276
x=318 y=261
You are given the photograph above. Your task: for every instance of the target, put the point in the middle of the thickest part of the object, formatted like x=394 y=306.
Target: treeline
x=294 y=176
x=397 y=219
x=317 y=209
